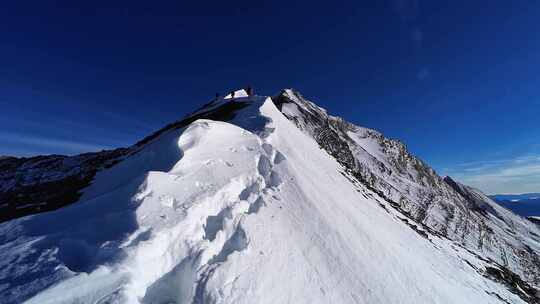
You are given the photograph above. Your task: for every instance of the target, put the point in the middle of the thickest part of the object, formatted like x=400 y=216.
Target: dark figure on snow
x=249 y=91
x=232 y=94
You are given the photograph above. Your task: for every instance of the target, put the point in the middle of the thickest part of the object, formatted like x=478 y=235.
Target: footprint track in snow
x=256 y=206
x=264 y=166
x=216 y=223
x=229 y=219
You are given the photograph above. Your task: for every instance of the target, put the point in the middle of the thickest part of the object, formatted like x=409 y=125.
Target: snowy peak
x=257 y=199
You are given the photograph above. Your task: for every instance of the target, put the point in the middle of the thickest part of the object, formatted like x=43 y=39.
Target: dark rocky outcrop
x=45 y=183
x=513 y=283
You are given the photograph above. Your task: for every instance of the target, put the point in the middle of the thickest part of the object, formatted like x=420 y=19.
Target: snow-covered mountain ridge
x=261 y=200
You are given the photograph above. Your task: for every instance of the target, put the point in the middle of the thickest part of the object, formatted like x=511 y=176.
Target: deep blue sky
x=457 y=81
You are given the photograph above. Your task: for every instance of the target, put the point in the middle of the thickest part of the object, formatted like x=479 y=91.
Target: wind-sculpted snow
x=251 y=210
x=44 y=183
x=144 y=220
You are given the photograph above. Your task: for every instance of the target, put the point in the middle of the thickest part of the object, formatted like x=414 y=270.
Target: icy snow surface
x=251 y=211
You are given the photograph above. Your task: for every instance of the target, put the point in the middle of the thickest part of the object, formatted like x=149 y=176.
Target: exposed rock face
x=443 y=206
x=534 y=219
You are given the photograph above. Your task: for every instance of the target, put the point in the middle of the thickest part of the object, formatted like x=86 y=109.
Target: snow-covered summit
x=261 y=200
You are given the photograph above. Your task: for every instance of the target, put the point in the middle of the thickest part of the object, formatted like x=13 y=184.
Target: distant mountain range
x=527 y=204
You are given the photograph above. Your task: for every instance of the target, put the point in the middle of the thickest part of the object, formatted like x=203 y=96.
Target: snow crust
x=250 y=211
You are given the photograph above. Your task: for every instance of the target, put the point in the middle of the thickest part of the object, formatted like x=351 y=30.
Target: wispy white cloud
x=52 y=145
x=512 y=175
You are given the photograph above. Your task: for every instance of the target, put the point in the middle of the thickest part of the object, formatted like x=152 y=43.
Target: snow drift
x=255 y=199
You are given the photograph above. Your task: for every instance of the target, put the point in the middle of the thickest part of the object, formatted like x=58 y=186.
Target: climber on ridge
x=249 y=90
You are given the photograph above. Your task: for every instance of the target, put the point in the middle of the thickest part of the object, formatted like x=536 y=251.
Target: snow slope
x=441 y=205
x=246 y=211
